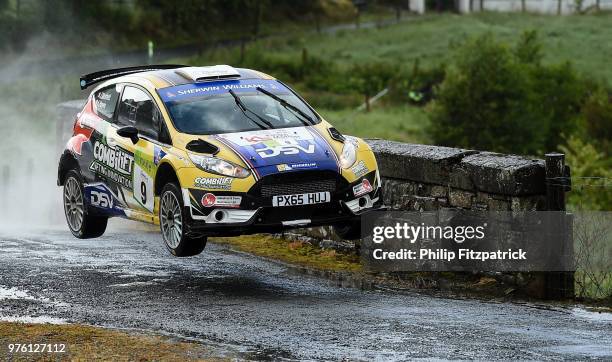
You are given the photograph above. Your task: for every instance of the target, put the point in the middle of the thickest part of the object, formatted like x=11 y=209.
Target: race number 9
x=143 y=192
x=143 y=188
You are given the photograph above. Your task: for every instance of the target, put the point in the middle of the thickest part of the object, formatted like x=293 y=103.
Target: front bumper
x=255 y=214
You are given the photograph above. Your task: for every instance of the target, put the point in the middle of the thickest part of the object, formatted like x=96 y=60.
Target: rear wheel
x=172 y=218
x=82 y=224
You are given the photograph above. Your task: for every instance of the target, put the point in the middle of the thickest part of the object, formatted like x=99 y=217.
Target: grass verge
x=346 y=270
x=399 y=123
x=85 y=343
x=294 y=252
x=304 y=254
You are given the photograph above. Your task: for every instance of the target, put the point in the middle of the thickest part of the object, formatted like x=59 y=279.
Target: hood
x=282 y=150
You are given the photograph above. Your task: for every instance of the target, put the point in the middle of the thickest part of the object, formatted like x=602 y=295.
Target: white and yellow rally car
x=206 y=151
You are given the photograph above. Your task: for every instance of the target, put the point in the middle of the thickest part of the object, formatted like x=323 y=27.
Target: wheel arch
x=67 y=162
x=165 y=173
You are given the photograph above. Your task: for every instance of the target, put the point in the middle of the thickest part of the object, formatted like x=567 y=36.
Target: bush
x=503 y=99
x=559 y=94
x=486 y=101
x=597 y=113
x=591 y=174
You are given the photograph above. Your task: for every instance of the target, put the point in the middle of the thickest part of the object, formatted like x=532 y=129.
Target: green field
x=582 y=39
x=393 y=123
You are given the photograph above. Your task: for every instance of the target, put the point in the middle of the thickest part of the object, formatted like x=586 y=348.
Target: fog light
x=219 y=215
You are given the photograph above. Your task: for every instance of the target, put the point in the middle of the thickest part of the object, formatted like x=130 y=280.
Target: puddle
x=33 y=320
x=591 y=350
x=604 y=317
x=133 y=284
x=14 y=293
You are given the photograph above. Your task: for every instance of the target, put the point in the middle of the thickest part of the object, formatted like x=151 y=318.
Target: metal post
x=559 y=285
x=555 y=189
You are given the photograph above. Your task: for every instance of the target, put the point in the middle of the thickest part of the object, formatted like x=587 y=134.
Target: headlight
x=349 y=154
x=218 y=166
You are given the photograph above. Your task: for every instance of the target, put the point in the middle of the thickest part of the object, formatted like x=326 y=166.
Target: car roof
x=172 y=77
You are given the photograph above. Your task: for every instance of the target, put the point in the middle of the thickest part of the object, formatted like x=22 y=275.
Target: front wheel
x=172 y=219
x=82 y=224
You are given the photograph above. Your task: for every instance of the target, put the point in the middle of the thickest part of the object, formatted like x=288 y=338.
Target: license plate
x=301 y=199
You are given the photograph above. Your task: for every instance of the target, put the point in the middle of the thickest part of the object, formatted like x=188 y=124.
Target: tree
x=485 y=102
x=501 y=98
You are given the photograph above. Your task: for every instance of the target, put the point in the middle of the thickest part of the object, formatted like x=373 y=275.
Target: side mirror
x=129 y=132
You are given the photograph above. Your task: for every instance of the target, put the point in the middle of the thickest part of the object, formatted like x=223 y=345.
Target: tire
x=351 y=230
x=172 y=223
x=81 y=223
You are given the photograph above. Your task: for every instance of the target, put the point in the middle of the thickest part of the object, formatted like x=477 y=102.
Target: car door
x=138 y=109
x=132 y=104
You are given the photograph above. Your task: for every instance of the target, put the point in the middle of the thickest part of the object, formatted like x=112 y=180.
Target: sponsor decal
x=268 y=137
x=192 y=90
x=214 y=183
x=101 y=199
x=296 y=166
x=158 y=154
x=279 y=144
x=103 y=96
x=210 y=200
x=113 y=163
x=360 y=169
x=100 y=196
x=144 y=161
x=362 y=188
x=115 y=158
x=285 y=147
x=264 y=150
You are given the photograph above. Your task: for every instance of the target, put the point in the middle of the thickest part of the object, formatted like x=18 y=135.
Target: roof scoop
x=200 y=74
x=201 y=146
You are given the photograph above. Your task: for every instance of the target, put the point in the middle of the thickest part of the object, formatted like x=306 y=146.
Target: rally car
x=205 y=151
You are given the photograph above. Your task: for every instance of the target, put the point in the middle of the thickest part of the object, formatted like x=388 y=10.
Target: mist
x=29 y=197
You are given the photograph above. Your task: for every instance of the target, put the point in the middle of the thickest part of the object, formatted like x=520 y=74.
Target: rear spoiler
x=96 y=77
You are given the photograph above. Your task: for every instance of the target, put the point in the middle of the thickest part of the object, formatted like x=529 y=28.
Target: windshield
x=209 y=108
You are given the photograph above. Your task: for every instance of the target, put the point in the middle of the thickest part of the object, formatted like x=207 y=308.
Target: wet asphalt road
x=243 y=306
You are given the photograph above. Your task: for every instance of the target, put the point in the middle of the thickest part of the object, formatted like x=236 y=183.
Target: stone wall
x=423 y=178
x=426 y=178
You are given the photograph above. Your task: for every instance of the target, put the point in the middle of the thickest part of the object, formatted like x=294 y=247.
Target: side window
x=105 y=102
x=138 y=109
